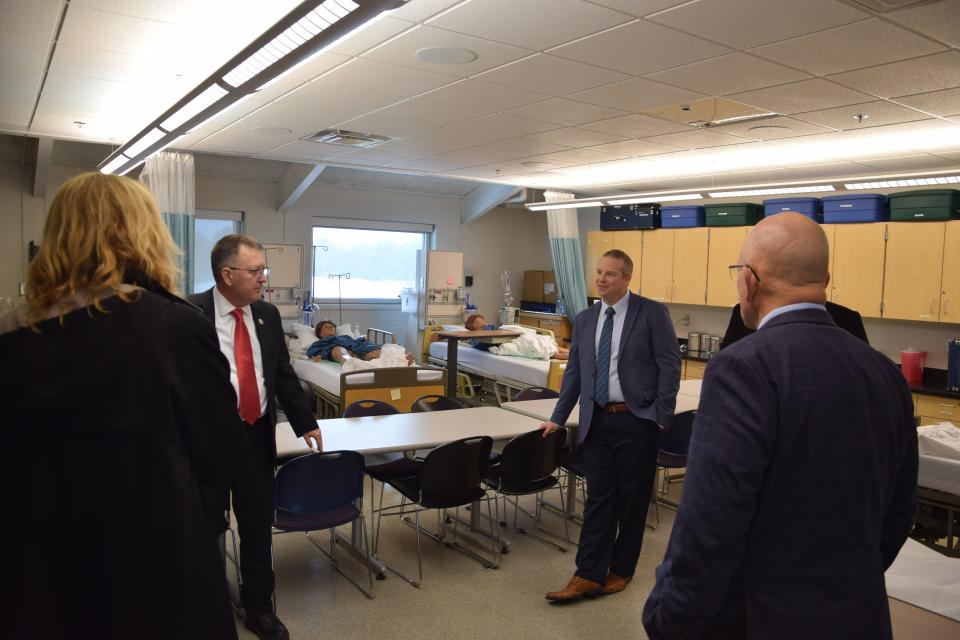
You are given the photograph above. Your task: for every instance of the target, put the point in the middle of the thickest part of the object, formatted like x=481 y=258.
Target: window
x=209 y=227
x=381 y=263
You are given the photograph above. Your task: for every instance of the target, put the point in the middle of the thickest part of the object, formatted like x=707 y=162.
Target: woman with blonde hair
x=116 y=406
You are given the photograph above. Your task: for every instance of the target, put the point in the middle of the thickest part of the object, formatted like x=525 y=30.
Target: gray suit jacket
x=648 y=365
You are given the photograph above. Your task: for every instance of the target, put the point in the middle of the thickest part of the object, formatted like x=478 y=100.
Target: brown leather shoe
x=577 y=588
x=614 y=583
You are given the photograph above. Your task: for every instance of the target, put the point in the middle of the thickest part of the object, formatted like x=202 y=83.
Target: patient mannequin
x=336 y=348
x=476 y=322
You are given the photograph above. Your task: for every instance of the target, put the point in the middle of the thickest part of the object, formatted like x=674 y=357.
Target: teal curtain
x=567 y=255
x=170 y=176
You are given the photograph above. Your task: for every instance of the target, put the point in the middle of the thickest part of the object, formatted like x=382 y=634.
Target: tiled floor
x=459 y=598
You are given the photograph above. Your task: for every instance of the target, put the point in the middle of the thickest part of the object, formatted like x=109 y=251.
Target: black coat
x=844 y=318
x=110 y=422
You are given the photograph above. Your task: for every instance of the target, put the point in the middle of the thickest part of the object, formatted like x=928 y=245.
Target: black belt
x=614 y=407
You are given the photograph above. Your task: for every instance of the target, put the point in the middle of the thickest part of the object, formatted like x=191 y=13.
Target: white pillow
x=453 y=327
x=304 y=337
x=349 y=330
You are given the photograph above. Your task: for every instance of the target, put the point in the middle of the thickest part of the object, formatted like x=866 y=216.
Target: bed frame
x=939 y=500
x=503 y=388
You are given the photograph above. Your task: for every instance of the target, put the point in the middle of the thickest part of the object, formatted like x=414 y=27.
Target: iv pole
x=340 y=278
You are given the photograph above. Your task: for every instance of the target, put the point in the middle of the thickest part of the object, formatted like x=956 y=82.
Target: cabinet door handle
x=933 y=306
x=946 y=305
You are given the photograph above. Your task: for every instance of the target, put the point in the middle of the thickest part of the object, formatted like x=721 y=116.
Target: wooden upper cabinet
x=857 y=279
x=725 y=244
x=830 y=231
x=950 y=280
x=657 y=274
x=690 y=266
x=631 y=243
x=911 y=288
x=598 y=243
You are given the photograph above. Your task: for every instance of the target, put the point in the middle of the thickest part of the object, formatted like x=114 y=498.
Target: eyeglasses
x=254 y=272
x=735 y=271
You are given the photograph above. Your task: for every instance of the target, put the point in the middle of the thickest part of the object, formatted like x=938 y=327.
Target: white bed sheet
x=926 y=578
x=525 y=370
x=326 y=374
x=942 y=474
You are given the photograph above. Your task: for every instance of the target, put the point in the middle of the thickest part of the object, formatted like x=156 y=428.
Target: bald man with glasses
x=251 y=337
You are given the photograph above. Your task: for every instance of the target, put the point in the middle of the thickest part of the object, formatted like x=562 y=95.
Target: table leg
x=452 y=367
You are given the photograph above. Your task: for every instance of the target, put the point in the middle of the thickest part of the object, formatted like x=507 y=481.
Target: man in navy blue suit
x=624 y=368
x=802 y=470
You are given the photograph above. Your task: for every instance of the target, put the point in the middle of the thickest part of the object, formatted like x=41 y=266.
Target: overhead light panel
x=564 y=204
x=310 y=29
x=654 y=198
x=771 y=192
x=906 y=182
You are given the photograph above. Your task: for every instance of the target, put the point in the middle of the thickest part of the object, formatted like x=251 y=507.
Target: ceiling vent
x=347 y=138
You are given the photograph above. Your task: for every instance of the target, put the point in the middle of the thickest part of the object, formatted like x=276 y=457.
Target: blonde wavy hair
x=98 y=228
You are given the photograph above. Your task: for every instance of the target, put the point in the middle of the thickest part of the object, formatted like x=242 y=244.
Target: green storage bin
x=925 y=204
x=734 y=214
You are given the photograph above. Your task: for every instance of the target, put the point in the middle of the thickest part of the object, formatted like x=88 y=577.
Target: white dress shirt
x=615 y=394
x=226 y=326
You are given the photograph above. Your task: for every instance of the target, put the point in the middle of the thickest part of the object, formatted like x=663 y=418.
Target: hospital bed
x=503 y=376
x=334 y=390
x=938 y=491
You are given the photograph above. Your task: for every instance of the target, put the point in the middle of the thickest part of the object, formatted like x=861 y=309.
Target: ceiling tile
x=14 y=119
x=377 y=157
x=909 y=163
x=641 y=47
x=29 y=18
x=520 y=147
x=636 y=126
x=375 y=123
x=371 y=36
x=222 y=120
x=536 y=24
x=24 y=53
x=302 y=150
x=634 y=148
x=940 y=20
x=430 y=113
x=852 y=46
x=317 y=106
x=881 y=113
x=728 y=74
x=300 y=75
x=550 y=75
x=47 y=123
x=577 y=156
x=749 y=23
x=700 y=139
x=574 y=137
x=417 y=10
x=370 y=75
x=94 y=29
x=18 y=100
x=920 y=75
x=470 y=134
x=639 y=8
x=69 y=59
x=482 y=95
x=806 y=95
x=772 y=128
x=566 y=112
x=939 y=103
x=402 y=50
x=636 y=94
x=20 y=80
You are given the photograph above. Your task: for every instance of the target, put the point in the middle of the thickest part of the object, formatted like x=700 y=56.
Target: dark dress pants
x=620 y=460
x=254 y=495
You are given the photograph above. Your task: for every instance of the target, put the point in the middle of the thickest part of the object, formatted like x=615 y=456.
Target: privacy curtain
x=566 y=253
x=170 y=176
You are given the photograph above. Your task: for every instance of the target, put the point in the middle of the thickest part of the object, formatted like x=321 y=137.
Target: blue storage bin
x=858 y=207
x=682 y=217
x=810 y=207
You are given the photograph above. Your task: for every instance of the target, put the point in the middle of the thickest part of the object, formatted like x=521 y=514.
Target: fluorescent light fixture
x=564 y=204
x=771 y=192
x=651 y=198
x=906 y=182
x=312 y=27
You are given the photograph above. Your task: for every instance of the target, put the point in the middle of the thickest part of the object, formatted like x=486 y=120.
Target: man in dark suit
x=801 y=476
x=251 y=337
x=624 y=368
x=842 y=316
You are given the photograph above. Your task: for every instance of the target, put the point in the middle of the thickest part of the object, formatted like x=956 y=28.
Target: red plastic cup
x=911 y=365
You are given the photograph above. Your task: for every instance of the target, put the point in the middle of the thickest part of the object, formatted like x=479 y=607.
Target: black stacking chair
x=536 y=393
x=397 y=467
x=672 y=454
x=527 y=465
x=322 y=491
x=437 y=403
x=451 y=477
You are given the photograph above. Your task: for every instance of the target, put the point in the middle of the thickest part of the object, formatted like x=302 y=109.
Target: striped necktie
x=601 y=389
x=249 y=400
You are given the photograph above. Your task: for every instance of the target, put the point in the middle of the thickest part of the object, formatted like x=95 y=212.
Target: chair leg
x=331 y=554
x=537 y=527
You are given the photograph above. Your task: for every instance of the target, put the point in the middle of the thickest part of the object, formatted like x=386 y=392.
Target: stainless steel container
x=714 y=344
x=693 y=342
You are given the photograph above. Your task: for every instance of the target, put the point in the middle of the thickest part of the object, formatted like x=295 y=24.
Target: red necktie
x=246 y=374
